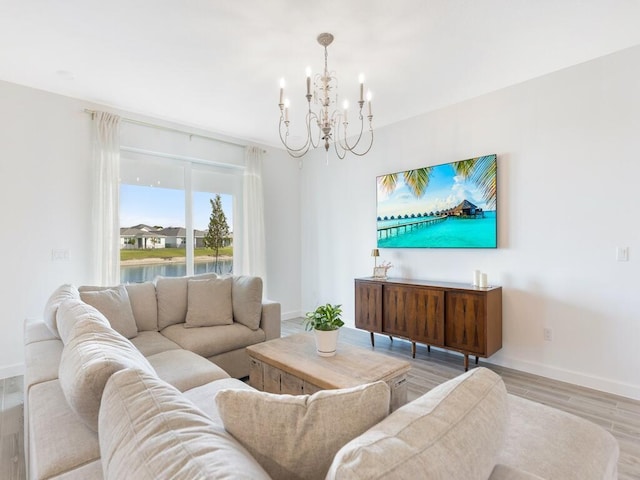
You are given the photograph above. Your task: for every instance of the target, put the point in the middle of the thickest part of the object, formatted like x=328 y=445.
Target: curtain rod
x=175 y=130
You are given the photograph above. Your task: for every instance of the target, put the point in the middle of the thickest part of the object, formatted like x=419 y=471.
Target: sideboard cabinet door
x=395 y=320
x=369 y=306
x=466 y=322
x=425 y=310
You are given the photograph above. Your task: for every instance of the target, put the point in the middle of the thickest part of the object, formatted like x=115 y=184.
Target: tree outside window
x=217 y=235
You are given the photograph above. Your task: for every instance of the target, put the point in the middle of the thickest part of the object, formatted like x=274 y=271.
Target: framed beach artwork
x=452 y=205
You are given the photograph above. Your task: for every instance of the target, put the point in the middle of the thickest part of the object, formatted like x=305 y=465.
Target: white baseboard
x=12 y=370
x=291 y=315
x=577 y=378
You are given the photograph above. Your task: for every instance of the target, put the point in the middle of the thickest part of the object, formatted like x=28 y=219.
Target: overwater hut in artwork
x=466 y=209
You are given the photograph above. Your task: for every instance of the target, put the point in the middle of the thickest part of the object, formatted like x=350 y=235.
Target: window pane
x=152 y=220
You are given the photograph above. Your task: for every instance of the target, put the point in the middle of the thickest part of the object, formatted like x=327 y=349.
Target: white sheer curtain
x=254 y=257
x=105 y=207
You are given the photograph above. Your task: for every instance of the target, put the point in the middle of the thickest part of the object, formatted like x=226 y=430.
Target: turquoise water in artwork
x=450 y=232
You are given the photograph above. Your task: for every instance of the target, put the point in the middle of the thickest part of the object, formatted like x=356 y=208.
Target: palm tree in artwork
x=482 y=172
x=479 y=170
x=417 y=181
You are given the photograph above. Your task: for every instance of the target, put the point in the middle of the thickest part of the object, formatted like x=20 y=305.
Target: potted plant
x=325 y=322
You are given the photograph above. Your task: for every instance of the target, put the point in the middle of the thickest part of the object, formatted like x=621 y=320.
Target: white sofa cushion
x=296 y=437
x=113 y=303
x=87 y=362
x=247 y=300
x=150 y=343
x=149 y=431
x=172 y=300
x=144 y=305
x=454 y=431
x=59 y=295
x=75 y=316
x=59 y=441
x=185 y=370
x=210 y=341
x=209 y=302
x=581 y=448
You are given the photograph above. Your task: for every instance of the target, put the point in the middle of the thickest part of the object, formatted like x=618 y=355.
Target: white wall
x=568 y=168
x=45 y=203
x=281 y=184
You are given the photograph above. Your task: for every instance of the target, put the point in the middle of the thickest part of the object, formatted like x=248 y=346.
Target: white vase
x=326 y=342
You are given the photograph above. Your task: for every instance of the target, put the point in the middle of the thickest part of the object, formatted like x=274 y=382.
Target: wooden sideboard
x=454 y=316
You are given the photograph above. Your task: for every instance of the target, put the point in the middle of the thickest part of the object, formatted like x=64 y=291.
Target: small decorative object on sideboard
x=325 y=322
x=480 y=279
x=380 y=272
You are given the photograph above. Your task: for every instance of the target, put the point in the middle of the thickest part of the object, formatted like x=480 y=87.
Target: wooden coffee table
x=291 y=365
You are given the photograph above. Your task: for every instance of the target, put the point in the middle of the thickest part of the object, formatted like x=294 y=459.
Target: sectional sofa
x=189 y=330
x=117 y=411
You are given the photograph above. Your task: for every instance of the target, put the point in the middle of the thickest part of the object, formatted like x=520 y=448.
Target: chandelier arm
x=361 y=154
x=310 y=116
x=284 y=140
x=344 y=151
x=299 y=152
x=351 y=148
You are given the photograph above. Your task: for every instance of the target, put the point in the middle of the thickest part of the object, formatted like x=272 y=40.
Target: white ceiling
x=217 y=64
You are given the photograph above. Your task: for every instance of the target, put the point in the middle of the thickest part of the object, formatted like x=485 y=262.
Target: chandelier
x=328 y=123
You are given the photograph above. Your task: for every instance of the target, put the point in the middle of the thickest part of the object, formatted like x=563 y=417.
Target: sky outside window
x=165 y=207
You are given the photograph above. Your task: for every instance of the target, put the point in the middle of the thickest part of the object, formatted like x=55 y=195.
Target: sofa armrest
x=270 y=319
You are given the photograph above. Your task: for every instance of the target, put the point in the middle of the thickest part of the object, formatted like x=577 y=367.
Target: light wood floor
x=11 y=430
x=619 y=415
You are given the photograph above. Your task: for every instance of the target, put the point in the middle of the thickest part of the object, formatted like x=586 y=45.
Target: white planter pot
x=326 y=342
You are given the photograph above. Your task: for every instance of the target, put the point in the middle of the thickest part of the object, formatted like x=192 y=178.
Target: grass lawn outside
x=165 y=253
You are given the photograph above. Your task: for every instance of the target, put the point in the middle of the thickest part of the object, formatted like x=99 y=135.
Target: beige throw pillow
x=172 y=294
x=113 y=303
x=209 y=302
x=247 y=301
x=456 y=430
x=296 y=437
x=60 y=294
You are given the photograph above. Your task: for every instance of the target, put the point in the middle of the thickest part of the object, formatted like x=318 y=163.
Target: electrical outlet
x=548 y=335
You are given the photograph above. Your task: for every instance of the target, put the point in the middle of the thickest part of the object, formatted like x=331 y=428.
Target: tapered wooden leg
x=428 y=348
x=413 y=349
x=372 y=342
x=476 y=359
x=466 y=362
x=390 y=338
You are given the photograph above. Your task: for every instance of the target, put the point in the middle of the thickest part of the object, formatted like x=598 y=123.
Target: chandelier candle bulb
x=281 y=90
x=361 y=80
x=369 y=101
x=308 y=72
